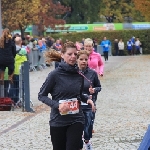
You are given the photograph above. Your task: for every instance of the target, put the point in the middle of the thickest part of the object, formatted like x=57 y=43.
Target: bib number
x=73 y=104
x=106 y=45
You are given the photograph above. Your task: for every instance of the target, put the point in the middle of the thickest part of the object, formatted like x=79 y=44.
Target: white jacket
x=121 y=45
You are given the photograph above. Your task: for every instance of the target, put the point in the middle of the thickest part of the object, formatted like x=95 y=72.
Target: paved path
x=121 y=119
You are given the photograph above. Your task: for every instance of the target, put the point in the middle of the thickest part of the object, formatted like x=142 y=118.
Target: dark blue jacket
x=63 y=83
x=91 y=75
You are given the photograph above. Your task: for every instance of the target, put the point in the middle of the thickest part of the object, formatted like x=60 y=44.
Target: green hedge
x=144 y=36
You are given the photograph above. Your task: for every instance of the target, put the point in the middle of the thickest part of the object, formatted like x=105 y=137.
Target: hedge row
x=144 y=36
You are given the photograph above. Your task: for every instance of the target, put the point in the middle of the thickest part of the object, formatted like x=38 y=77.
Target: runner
x=91 y=87
x=95 y=60
x=65 y=86
x=106 y=47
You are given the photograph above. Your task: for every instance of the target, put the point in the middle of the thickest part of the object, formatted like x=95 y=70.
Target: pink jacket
x=95 y=62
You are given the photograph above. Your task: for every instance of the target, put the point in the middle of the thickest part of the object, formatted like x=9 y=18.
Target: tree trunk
x=21 y=30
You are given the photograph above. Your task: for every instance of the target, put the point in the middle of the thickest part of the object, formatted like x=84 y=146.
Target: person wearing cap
x=21 y=57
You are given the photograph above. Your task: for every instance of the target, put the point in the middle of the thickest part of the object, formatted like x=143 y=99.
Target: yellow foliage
x=143 y=7
x=19 y=13
x=120 y=9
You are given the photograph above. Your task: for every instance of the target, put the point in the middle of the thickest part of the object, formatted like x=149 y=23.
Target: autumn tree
x=119 y=10
x=52 y=15
x=82 y=11
x=18 y=14
x=143 y=7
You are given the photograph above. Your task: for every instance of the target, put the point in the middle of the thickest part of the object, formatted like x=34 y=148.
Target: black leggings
x=106 y=55
x=10 y=66
x=67 y=137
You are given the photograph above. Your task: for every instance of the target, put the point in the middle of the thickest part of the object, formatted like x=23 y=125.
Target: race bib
x=74 y=106
x=106 y=45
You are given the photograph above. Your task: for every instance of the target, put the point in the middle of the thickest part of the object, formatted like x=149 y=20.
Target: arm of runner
x=46 y=89
x=97 y=85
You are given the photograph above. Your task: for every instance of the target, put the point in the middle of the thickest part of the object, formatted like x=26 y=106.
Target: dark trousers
x=106 y=55
x=95 y=48
x=116 y=52
x=137 y=50
x=14 y=89
x=129 y=52
x=121 y=52
x=67 y=137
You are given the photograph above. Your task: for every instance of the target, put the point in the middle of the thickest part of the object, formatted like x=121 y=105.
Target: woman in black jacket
x=7 y=54
x=65 y=85
x=91 y=88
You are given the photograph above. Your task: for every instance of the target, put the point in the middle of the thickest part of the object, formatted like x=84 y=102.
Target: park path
x=121 y=119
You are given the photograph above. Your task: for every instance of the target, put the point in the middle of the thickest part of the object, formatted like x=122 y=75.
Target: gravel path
x=121 y=119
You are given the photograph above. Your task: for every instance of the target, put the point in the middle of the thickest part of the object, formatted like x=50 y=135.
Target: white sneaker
x=87 y=146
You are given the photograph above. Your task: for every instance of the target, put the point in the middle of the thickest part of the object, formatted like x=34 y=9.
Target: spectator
x=44 y=44
x=7 y=54
x=18 y=42
x=95 y=44
x=78 y=45
x=116 y=48
x=137 y=46
x=133 y=45
x=83 y=41
x=23 y=42
x=49 y=42
x=35 y=46
x=129 y=46
x=141 y=48
x=57 y=46
x=121 y=47
x=14 y=89
x=27 y=39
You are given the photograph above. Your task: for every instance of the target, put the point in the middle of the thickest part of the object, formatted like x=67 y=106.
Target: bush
x=144 y=36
